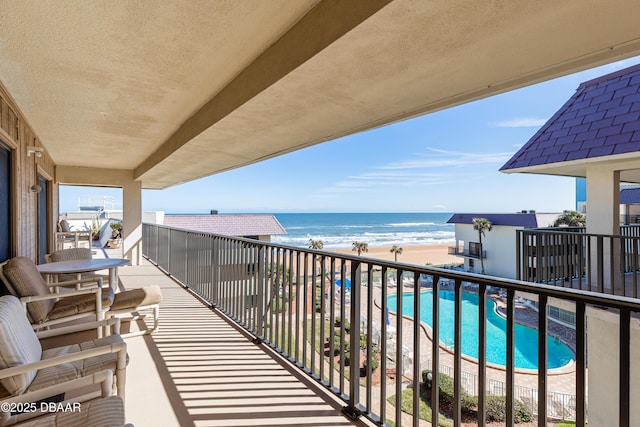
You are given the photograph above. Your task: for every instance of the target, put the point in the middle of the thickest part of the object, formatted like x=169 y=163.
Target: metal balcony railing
x=569 y=257
x=299 y=302
x=468 y=253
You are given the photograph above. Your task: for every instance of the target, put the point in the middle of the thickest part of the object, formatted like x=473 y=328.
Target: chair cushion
x=105 y=412
x=79 y=304
x=64 y=224
x=20 y=345
x=133 y=298
x=71 y=254
x=69 y=371
x=26 y=281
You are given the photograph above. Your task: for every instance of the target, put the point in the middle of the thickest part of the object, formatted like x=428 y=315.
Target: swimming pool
x=526 y=339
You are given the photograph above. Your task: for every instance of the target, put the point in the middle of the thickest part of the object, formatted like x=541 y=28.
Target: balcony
x=571 y=258
x=472 y=252
x=250 y=339
x=202 y=369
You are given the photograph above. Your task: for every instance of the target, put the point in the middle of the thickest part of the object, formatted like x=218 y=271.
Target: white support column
x=603 y=200
x=603 y=349
x=132 y=221
x=603 y=217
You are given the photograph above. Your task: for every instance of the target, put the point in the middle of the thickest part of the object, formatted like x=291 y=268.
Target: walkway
x=199 y=370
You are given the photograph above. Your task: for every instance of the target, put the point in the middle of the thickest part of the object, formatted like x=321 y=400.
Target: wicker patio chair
x=48 y=305
x=26 y=367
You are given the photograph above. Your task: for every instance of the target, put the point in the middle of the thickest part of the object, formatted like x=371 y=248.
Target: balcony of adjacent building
x=473 y=250
x=572 y=258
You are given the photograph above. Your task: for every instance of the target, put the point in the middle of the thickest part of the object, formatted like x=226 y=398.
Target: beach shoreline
x=435 y=255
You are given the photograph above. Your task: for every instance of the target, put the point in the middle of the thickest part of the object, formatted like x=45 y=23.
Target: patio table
x=86 y=266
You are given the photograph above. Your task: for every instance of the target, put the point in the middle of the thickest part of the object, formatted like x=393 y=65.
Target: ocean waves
x=386 y=229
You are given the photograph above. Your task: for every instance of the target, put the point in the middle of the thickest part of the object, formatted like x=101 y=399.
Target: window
x=475 y=249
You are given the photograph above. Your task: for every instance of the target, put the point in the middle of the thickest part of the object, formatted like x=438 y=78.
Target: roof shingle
x=228 y=224
x=600 y=119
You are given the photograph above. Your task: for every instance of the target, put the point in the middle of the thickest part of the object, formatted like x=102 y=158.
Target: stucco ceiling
x=175 y=91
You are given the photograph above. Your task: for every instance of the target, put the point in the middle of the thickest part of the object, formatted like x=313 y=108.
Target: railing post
x=215 y=271
x=261 y=303
x=519 y=266
x=354 y=343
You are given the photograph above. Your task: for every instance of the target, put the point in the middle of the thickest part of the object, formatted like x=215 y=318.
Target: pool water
x=526 y=339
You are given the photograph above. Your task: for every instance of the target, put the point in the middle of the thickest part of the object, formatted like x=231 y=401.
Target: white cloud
x=418 y=171
x=443 y=158
x=521 y=122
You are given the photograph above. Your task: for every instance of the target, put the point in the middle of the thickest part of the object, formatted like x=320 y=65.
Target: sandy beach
x=421 y=255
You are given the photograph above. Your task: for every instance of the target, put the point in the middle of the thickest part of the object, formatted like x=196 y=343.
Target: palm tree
x=482 y=225
x=396 y=250
x=316 y=244
x=360 y=247
x=572 y=219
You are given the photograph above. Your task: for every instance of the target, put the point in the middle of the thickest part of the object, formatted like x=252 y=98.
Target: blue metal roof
x=602 y=118
x=630 y=196
x=509 y=219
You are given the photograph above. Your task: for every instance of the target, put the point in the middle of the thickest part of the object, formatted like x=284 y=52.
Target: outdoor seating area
x=29 y=373
x=61 y=338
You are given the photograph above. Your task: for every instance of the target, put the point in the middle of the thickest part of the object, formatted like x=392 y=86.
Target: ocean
x=339 y=230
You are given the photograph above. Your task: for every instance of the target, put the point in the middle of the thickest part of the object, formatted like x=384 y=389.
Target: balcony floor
x=199 y=370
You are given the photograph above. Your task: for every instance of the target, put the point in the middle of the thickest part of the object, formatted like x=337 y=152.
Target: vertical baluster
x=383 y=344
x=332 y=319
x=542 y=360
x=260 y=288
x=300 y=308
x=457 y=354
x=323 y=309
x=435 y=351
x=343 y=320
x=417 y=332
x=305 y=308
x=314 y=318
x=482 y=354
x=354 y=363
x=625 y=368
x=510 y=356
x=398 y=348
x=581 y=365
x=370 y=356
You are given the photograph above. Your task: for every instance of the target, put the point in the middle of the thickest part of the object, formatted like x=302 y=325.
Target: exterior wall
x=500 y=245
x=17 y=134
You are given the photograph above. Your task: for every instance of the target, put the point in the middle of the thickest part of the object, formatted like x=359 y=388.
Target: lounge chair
x=143 y=299
x=104 y=411
x=47 y=305
x=26 y=367
x=23 y=280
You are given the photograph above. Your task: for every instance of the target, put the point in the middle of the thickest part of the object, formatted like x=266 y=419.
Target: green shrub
x=375 y=363
x=363 y=341
x=347 y=359
x=496 y=410
x=468 y=403
x=336 y=345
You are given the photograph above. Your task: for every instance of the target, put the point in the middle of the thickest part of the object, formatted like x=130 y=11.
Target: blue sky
x=446 y=161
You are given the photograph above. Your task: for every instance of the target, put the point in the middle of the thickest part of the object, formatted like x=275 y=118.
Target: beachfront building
x=596 y=136
x=498 y=248
x=154 y=94
x=250 y=226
